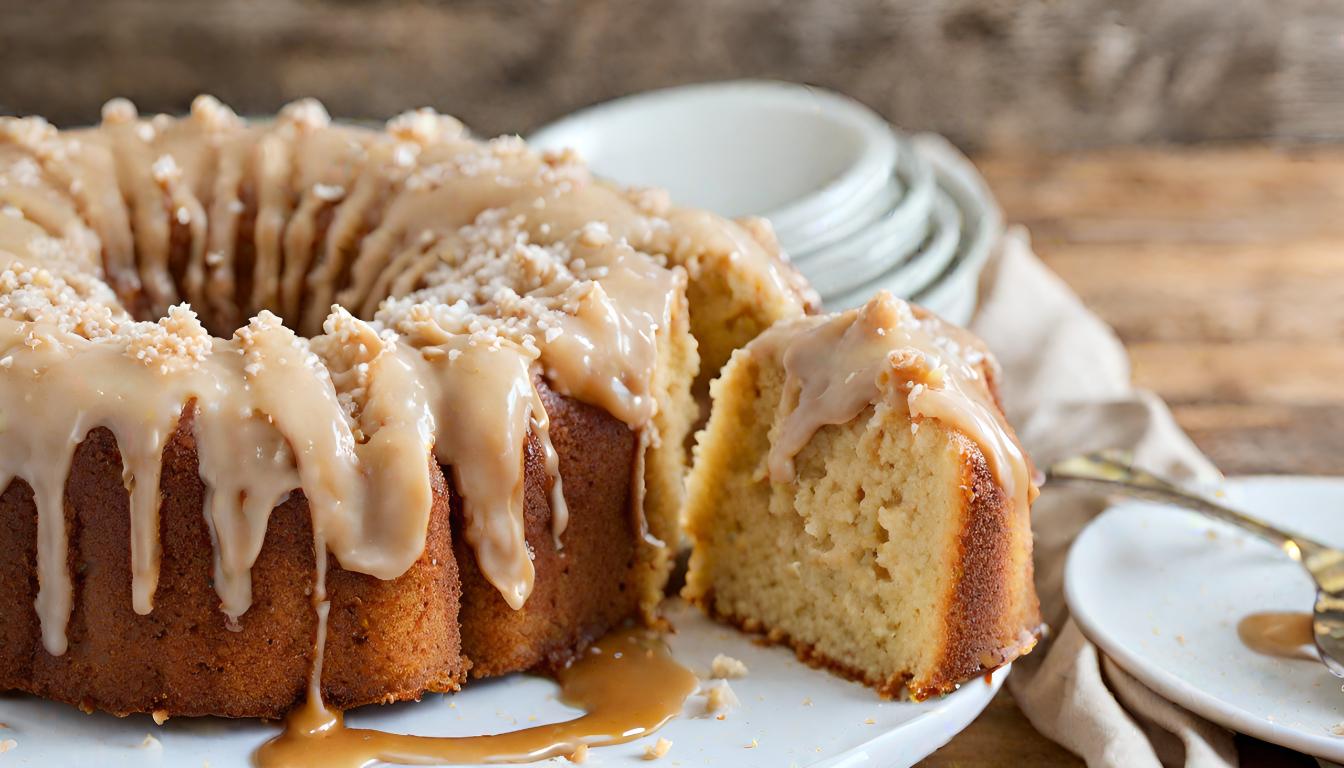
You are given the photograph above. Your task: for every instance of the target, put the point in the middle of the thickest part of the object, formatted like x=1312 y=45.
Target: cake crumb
x=657 y=749
x=579 y=755
x=150 y=742
x=727 y=668
x=1337 y=729
x=7 y=745
x=160 y=716
x=869 y=721
x=720 y=698
x=754 y=744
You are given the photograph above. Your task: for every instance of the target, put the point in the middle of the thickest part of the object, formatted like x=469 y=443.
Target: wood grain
x=1039 y=73
x=1222 y=270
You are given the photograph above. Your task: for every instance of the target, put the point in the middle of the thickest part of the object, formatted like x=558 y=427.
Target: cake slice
x=858 y=495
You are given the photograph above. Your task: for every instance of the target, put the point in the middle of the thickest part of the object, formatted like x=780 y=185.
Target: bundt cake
x=858 y=495
x=292 y=408
x=228 y=348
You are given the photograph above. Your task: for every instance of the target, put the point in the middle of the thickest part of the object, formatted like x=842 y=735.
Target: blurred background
x=1175 y=160
x=986 y=73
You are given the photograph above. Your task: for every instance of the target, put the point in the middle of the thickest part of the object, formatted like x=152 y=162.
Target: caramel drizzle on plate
x=627 y=684
x=1285 y=634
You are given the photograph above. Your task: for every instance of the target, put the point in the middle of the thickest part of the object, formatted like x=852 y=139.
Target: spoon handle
x=1114 y=472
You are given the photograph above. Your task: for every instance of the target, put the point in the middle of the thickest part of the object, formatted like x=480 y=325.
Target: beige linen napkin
x=1067 y=390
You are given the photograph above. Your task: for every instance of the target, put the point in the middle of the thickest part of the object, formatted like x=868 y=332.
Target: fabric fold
x=1067 y=389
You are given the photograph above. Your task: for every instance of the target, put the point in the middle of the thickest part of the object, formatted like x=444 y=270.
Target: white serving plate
x=1160 y=590
x=744 y=147
x=793 y=714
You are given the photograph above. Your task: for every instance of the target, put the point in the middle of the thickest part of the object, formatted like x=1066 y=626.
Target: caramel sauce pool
x=1284 y=634
x=627 y=684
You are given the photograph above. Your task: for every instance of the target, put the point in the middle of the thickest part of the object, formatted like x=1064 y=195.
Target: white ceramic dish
x=786 y=151
x=954 y=293
x=848 y=220
x=862 y=256
x=1161 y=591
x=794 y=715
x=840 y=270
x=908 y=275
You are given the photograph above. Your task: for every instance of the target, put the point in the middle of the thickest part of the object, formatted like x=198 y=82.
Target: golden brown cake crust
x=583 y=589
x=387 y=640
x=987 y=626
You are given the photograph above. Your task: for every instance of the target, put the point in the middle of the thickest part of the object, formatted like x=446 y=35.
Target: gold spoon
x=1115 y=472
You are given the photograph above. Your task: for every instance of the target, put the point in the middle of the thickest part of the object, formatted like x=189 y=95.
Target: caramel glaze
x=1286 y=635
x=894 y=355
x=479 y=278
x=479 y=267
x=627 y=684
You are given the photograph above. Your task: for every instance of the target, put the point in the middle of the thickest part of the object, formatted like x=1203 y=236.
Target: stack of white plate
x=858 y=206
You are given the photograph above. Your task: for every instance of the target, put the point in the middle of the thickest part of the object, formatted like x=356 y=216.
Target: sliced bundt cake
x=858 y=495
x=462 y=368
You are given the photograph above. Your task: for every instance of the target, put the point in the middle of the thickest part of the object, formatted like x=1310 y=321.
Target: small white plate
x=1161 y=591
x=792 y=714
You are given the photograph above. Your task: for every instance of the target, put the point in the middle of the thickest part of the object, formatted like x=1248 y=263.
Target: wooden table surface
x=1222 y=270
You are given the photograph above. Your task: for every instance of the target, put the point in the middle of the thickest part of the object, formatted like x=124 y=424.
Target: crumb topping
x=59 y=298
x=119 y=110
x=213 y=114
x=176 y=342
x=305 y=114
x=425 y=126
x=348 y=346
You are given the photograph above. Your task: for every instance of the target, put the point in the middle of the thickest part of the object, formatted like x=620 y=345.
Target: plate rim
x=1171 y=686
